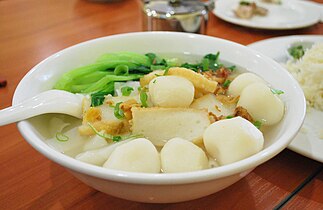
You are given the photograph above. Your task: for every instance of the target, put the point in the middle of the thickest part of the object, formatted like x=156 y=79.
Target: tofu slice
x=213 y=105
x=162 y=124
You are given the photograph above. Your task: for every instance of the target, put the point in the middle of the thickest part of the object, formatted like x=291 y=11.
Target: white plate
x=307 y=141
x=291 y=14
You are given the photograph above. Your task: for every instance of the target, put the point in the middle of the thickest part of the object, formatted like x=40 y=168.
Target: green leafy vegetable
x=126 y=90
x=109 y=79
x=125 y=66
x=296 y=52
x=97 y=98
x=111 y=67
x=61 y=137
x=229 y=117
x=121 y=70
x=276 y=91
x=118 y=113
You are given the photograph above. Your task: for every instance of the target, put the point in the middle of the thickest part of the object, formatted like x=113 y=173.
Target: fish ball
x=138 y=155
x=262 y=104
x=231 y=140
x=171 y=91
x=242 y=81
x=180 y=155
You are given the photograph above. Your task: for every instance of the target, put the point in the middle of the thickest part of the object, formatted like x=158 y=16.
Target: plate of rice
x=302 y=57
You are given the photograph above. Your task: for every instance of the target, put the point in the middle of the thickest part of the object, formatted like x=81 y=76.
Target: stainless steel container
x=176 y=15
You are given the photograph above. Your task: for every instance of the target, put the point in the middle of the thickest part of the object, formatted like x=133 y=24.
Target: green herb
x=118 y=113
x=61 y=137
x=226 y=83
x=276 y=91
x=113 y=138
x=116 y=138
x=143 y=98
x=156 y=61
x=296 y=52
x=246 y=3
x=194 y=67
x=126 y=90
x=213 y=61
x=257 y=124
x=97 y=98
x=208 y=62
x=154 y=81
x=229 y=117
x=232 y=68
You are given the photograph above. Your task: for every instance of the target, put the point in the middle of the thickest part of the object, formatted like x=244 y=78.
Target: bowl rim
x=251 y=162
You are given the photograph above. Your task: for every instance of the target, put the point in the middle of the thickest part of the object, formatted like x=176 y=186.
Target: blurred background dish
x=290 y=14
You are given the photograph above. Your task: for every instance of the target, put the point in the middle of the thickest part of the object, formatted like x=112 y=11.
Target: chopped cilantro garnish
x=229 y=117
x=232 y=68
x=244 y=3
x=226 y=83
x=276 y=91
x=61 y=137
x=126 y=90
x=296 y=52
x=257 y=124
x=116 y=138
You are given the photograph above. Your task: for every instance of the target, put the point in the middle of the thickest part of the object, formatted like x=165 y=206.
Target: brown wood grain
x=310 y=197
x=31 y=30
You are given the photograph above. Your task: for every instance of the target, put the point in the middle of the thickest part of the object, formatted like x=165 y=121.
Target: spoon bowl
x=51 y=101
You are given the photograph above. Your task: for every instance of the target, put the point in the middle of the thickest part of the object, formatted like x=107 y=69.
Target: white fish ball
x=231 y=140
x=262 y=104
x=99 y=156
x=138 y=155
x=242 y=81
x=171 y=91
x=95 y=142
x=180 y=155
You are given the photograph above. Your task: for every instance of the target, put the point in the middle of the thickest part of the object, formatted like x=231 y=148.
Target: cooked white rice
x=308 y=71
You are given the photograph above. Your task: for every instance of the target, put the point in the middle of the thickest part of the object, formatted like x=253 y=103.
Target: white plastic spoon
x=51 y=101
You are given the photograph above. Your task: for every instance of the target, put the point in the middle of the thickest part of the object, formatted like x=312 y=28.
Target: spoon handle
x=52 y=101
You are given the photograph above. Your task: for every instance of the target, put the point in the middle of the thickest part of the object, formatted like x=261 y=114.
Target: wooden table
x=31 y=30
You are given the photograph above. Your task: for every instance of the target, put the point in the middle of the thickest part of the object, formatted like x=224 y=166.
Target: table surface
x=31 y=30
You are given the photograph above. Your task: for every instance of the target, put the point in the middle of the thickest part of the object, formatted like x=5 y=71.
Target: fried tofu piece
x=109 y=127
x=199 y=81
x=162 y=124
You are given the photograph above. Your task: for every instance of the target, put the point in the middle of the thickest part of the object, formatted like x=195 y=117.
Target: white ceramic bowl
x=163 y=188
